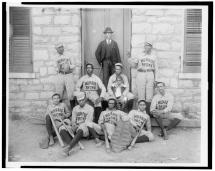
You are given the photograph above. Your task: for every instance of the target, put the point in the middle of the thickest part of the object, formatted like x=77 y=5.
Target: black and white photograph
x=107 y=85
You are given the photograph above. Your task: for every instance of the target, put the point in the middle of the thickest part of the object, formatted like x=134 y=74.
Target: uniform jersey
x=110 y=119
x=112 y=80
x=160 y=102
x=64 y=64
x=58 y=111
x=82 y=114
x=139 y=118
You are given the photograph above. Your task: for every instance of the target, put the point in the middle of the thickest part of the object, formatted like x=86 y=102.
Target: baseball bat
x=135 y=138
x=106 y=139
x=56 y=131
x=71 y=133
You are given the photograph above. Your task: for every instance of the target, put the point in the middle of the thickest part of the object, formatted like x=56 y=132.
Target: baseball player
x=138 y=118
x=58 y=111
x=65 y=76
x=91 y=85
x=107 y=120
x=161 y=107
x=120 y=89
x=146 y=65
x=82 y=114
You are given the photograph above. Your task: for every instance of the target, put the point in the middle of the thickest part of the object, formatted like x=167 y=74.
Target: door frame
x=126 y=39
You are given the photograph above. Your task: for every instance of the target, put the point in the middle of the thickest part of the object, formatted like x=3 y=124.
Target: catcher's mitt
x=122 y=136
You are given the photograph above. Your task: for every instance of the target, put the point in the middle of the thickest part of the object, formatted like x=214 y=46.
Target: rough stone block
x=138 y=11
x=13 y=96
x=162 y=28
x=185 y=83
x=138 y=40
x=163 y=79
x=154 y=12
x=151 y=38
x=74 y=48
x=62 y=19
x=76 y=20
x=172 y=12
x=32 y=95
x=69 y=39
x=162 y=46
x=170 y=19
x=31 y=88
x=178 y=29
x=40 y=54
x=52 y=70
x=71 y=30
x=43 y=20
x=46 y=95
x=13 y=88
x=49 y=11
x=176 y=92
x=49 y=87
x=176 y=46
x=21 y=81
x=174 y=83
x=35 y=81
x=167 y=72
x=27 y=109
x=197 y=98
x=68 y=10
x=141 y=28
x=168 y=55
x=51 y=31
x=49 y=79
x=40 y=39
x=39 y=104
x=137 y=19
x=36 y=11
x=37 y=30
x=43 y=71
x=177 y=107
x=50 y=63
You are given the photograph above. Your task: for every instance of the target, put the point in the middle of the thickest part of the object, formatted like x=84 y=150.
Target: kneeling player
x=140 y=119
x=161 y=107
x=82 y=114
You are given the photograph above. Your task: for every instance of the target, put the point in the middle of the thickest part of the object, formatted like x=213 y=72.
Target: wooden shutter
x=20 y=41
x=193 y=30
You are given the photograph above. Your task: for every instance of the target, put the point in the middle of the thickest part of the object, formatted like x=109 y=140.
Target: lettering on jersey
x=90 y=85
x=63 y=61
x=110 y=118
x=140 y=120
x=80 y=117
x=57 y=112
x=161 y=104
x=147 y=63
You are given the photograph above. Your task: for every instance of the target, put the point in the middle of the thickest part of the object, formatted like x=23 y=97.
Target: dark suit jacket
x=100 y=52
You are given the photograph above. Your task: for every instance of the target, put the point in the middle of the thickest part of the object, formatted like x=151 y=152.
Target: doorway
x=94 y=22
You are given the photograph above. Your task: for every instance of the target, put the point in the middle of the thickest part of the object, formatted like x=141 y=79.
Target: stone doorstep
x=193 y=123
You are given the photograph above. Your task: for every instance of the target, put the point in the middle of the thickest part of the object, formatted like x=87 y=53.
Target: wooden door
x=94 y=22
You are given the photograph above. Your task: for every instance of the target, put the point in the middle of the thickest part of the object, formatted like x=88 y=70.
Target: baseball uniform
x=65 y=77
x=165 y=103
x=91 y=85
x=81 y=116
x=138 y=118
x=146 y=68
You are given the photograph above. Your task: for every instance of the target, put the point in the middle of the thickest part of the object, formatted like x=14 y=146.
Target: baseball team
x=105 y=110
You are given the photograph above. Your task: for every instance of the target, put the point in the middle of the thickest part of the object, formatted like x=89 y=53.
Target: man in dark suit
x=107 y=55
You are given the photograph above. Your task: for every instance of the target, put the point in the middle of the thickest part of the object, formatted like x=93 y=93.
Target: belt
x=145 y=70
x=68 y=72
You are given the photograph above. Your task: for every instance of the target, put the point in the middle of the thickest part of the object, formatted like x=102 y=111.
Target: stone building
x=32 y=77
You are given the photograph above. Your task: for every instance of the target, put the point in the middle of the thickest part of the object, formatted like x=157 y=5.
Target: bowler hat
x=119 y=64
x=108 y=30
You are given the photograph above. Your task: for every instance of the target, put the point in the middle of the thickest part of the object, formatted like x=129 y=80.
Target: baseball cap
x=141 y=100
x=80 y=96
x=119 y=64
x=147 y=44
x=58 y=45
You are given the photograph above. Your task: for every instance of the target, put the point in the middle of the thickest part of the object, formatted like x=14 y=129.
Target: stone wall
x=164 y=28
x=30 y=96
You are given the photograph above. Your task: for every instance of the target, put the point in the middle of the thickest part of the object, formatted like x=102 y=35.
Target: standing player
x=138 y=118
x=161 y=107
x=123 y=96
x=91 y=85
x=82 y=115
x=65 y=76
x=58 y=111
x=146 y=64
x=107 y=54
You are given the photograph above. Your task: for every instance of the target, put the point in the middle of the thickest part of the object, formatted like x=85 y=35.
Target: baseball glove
x=122 y=136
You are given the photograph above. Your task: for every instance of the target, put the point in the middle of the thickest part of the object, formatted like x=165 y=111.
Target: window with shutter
x=192 y=41
x=20 y=50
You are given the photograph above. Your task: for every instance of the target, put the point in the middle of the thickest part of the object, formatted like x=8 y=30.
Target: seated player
x=118 y=87
x=161 y=107
x=91 y=85
x=59 y=112
x=82 y=114
x=140 y=118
